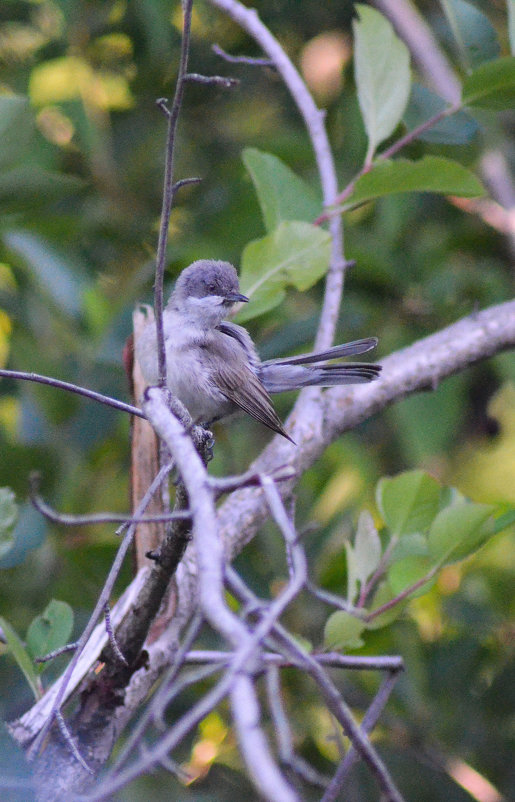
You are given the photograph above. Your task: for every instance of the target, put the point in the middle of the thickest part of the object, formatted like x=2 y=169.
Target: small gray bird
x=212 y=364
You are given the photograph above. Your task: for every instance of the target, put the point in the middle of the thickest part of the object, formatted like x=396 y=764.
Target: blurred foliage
x=81 y=167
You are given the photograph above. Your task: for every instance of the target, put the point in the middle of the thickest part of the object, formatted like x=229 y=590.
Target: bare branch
x=215 y=80
x=249 y=60
x=72 y=388
x=284 y=735
x=168 y=187
x=96 y=518
x=367 y=725
x=313 y=118
x=112 y=637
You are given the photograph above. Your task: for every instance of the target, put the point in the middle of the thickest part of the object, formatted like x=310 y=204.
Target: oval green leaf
x=367 y=547
x=282 y=195
x=430 y=174
x=406 y=573
x=492 y=85
x=21 y=657
x=295 y=254
x=382 y=72
x=342 y=631
x=408 y=502
x=50 y=630
x=460 y=530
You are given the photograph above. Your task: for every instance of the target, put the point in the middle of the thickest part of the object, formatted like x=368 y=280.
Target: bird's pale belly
x=193 y=388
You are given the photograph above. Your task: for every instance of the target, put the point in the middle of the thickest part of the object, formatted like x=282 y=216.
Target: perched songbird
x=212 y=364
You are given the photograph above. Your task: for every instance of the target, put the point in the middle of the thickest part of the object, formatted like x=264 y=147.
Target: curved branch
x=72 y=388
x=313 y=118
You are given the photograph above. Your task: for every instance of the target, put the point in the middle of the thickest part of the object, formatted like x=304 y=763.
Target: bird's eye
x=211 y=288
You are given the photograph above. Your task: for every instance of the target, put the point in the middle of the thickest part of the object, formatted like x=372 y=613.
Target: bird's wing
x=239 y=384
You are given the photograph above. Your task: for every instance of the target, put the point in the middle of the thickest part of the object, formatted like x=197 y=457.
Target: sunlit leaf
x=282 y=195
x=352 y=574
x=295 y=254
x=342 y=631
x=382 y=71
x=459 y=530
x=367 y=547
x=414 y=545
x=408 y=502
x=408 y=572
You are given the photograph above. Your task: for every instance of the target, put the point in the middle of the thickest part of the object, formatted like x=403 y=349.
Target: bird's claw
x=205 y=442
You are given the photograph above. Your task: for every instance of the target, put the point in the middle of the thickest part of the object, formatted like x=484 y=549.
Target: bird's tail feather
x=336 y=352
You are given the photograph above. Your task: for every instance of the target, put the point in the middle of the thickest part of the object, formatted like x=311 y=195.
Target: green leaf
x=407 y=572
x=342 y=631
x=50 y=630
x=367 y=547
x=457 y=129
x=492 y=85
x=294 y=254
x=408 y=502
x=414 y=545
x=21 y=657
x=30 y=185
x=504 y=521
x=382 y=72
x=382 y=596
x=8 y=519
x=352 y=576
x=58 y=279
x=16 y=128
x=282 y=195
x=429 y=174
x=474 y=33
x=459 y=530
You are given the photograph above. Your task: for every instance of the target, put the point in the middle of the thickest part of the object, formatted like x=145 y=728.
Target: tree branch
x=314 y=120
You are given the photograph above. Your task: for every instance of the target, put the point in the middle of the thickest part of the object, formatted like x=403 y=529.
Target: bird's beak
x=236 y=297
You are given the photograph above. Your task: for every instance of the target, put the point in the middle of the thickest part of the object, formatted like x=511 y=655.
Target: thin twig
x=72 y=388
x=112 y=637
x=248 y=60
x=284 y=735
x=168 y=187
x=397 y=146
x=155 y=709
x=215 y=80
x=70 y=647
x=95 y=518
x=331 y=696
x=65 y=732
